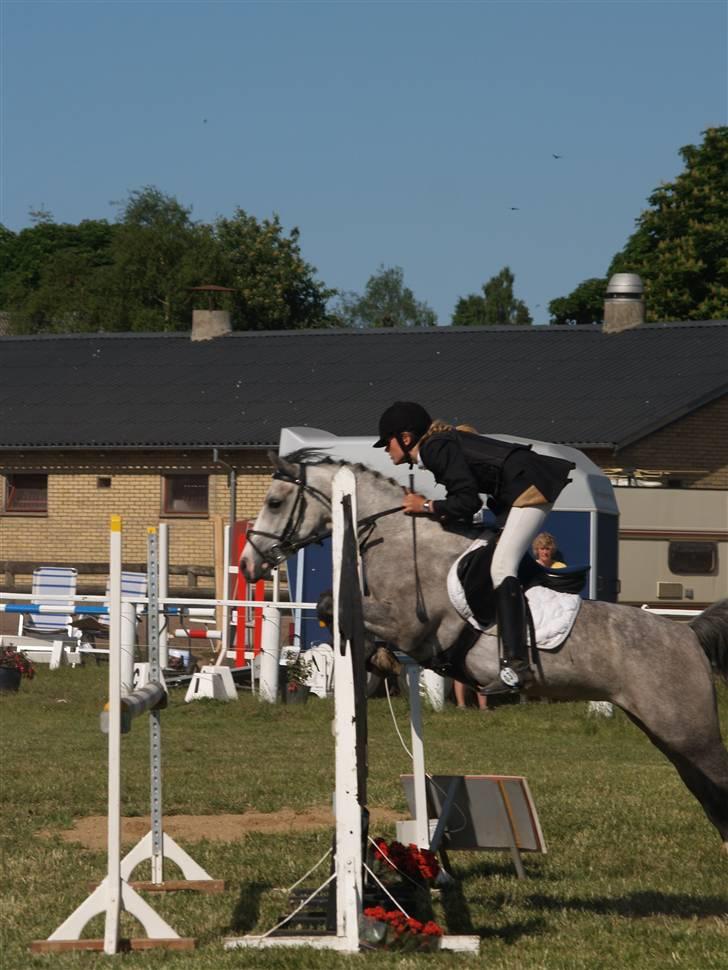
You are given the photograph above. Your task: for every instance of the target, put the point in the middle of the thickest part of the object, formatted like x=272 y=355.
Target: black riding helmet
x=402 y=416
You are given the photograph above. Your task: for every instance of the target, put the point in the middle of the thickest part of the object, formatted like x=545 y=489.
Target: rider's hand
x=413 y=503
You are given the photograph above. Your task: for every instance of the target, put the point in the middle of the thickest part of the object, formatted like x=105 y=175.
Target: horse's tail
x=711 y=629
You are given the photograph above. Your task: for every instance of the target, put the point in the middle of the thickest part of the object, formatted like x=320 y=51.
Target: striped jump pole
x=127 y=627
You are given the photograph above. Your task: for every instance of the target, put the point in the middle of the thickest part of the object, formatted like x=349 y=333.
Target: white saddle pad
x=553 y=613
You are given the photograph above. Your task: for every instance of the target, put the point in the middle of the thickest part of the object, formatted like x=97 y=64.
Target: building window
x=184 y=495
x=26 y=493
x=693 y=558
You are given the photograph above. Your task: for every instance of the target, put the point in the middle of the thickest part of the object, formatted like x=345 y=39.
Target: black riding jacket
x=472 y=465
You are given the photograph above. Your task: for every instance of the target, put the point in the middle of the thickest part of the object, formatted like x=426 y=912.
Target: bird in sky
x=556 y=156
x=204 y=121
x=514 y=208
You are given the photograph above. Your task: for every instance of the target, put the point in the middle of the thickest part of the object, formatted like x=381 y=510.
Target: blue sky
x=395 y=133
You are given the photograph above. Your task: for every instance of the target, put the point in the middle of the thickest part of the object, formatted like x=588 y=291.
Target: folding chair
x=51 y=581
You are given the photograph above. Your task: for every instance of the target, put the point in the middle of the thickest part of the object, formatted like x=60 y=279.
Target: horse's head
x=296 y=508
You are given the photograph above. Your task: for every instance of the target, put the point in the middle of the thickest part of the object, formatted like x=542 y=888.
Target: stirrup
x=512 y=677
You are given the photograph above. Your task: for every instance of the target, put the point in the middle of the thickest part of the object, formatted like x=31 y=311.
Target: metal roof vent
x=624 y=305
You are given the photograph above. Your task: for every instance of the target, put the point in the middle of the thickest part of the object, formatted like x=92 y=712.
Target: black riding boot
x=515 y=672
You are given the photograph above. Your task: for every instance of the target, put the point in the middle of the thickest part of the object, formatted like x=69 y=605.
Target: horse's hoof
x=385 y=662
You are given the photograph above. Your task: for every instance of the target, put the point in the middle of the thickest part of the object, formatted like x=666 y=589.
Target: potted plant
x=13 y=666
x=298 y=671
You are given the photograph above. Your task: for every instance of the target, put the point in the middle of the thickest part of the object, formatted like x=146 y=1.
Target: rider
x=522 y=487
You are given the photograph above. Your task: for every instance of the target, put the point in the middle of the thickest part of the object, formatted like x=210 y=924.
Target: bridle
x=288 y=541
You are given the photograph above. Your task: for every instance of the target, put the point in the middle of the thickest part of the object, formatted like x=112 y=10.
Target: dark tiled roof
x=572 y=385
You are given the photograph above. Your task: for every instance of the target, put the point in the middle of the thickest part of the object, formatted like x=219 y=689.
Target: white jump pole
x=227 y=535
x=270 y=654
x=347 y=808
x=113 y=810
x=163 y=588
x=422 y=824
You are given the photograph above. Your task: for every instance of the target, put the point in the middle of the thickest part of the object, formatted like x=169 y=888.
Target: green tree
x=680 y=246
x=386 y=302
x=469 y=311
x=158 y=254
x=138 y=273
x=275 y=288
x=498 y=306
x=51 y=274
x=584 y=305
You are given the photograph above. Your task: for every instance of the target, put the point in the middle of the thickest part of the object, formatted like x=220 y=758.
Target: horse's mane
x=313 y=456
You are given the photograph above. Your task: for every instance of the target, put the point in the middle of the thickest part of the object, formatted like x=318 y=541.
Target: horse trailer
x=673 y=546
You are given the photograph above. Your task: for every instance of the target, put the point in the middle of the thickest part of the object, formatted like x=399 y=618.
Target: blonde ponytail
x=438 y=426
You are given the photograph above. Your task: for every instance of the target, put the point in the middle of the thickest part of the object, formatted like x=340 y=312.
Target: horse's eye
x=274 y=503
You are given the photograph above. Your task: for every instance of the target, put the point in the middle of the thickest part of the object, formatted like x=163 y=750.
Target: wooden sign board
x=480 y=812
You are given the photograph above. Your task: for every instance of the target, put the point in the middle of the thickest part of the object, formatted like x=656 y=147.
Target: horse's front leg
x=379 y=628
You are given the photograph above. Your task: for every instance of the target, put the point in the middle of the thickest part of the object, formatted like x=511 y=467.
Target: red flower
x=416 y=863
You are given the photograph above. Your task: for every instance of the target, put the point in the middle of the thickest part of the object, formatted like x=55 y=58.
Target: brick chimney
x=208 y=324
x=624 y=306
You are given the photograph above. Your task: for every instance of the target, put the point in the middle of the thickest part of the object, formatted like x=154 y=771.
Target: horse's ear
x=281 y=465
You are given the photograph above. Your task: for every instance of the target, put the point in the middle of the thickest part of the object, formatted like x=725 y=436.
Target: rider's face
x=395 y=450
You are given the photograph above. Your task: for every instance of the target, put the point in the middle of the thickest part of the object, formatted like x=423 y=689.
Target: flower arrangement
x=16 y=660
x=419 y=865
x=298 y=670
x=393 y=930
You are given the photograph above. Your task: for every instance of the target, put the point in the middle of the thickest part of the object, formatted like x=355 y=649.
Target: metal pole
x=155 y=724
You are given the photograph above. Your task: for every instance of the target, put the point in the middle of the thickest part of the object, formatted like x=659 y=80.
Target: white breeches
x=521 y=528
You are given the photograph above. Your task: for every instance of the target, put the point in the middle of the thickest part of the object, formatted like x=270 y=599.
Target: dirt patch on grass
x=90 y=832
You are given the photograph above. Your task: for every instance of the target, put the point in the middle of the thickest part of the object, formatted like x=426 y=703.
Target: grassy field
x=633 y=878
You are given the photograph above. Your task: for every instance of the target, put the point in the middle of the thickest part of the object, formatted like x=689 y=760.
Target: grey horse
x=659 y=672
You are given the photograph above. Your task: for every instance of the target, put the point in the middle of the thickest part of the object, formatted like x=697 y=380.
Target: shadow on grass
x=459 y=921
x=247 y=908
x=638 y=904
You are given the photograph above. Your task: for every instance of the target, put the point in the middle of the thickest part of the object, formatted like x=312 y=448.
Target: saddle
x=473 y=572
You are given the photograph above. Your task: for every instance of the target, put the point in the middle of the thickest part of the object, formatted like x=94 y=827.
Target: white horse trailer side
x=673 y=546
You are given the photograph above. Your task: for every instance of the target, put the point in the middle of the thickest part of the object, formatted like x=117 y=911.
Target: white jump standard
x=116 y=893
x=349 y=774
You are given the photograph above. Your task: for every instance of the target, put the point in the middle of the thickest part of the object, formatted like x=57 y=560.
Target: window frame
x=166 y=498
x=674 y=550
x=9 y=486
